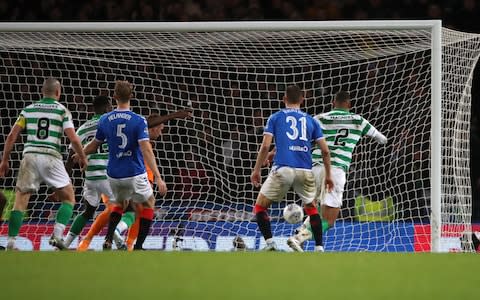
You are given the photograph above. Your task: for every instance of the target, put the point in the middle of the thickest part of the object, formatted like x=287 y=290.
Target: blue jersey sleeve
x=143 y=130
x=270 y=126
x=100 y=134
x=317 y=130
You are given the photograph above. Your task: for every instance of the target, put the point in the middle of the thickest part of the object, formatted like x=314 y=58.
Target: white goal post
x=200 y=62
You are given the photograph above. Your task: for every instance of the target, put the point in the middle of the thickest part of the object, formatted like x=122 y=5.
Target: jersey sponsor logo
x=339 y=117
x=298 y=148
x=45 y=105
x=124 y=154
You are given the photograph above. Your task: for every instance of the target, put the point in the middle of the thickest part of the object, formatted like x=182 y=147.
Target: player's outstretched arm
x=376 y=135
x=77 y=146
x=155 y=120
x=11 y=138
x=149 y=158
x=380 y=138
x=326 y=163
x=255 y=178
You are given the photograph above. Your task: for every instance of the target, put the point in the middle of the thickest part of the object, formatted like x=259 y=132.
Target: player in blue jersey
x=293 y=131
x=126 y=134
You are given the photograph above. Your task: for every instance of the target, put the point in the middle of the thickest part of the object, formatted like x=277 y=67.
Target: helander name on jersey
x=119 y=116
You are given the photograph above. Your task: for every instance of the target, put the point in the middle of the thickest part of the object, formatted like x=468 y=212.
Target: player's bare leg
x=64 y=213
x=330 y=214
x=3 y=203
x=16 y=217
x=263 y=221
x=146 y=218
x=100 y=222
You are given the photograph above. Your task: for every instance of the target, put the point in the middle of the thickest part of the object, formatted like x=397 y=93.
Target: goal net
x=233 y=80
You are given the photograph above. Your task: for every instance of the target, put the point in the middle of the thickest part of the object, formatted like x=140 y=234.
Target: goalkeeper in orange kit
x=155 y=126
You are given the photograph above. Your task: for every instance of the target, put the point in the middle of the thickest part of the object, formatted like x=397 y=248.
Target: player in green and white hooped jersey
x=342 y=130
x=44 y=123
x=96 y=182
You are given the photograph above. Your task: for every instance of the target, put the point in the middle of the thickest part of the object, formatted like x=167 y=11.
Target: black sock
x=129 y=207
x=89 y=211
x=115 y=218
x=263 y=222
x=476 y=242
x=142 y=232
x=316 y=224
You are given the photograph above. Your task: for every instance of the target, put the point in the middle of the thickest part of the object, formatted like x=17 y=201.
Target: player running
x=294 y=131
x=44 y=122
x=343 y=130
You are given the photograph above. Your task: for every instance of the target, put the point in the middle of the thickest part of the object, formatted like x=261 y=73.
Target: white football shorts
x=41 y=168
x=335 y=197
x=136 y=188
x=281 y=179
x=93 y=189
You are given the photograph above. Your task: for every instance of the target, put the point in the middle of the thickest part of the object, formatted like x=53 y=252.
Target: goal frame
x=435 y=27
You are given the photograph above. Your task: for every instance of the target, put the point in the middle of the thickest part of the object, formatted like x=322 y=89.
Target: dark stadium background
x=455 y=14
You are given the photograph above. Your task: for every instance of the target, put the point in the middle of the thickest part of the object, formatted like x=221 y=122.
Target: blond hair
x=123 y=90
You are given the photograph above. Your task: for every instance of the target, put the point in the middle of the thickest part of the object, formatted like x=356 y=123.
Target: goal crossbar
x=217 y=26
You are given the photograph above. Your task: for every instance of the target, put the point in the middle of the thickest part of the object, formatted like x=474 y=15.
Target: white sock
x=121 y=227
x=11 y=242
x=306 y=223
x=303 y=234
x=69 y=239
x=269 y=241
x=117 y=238
x=319 y=249
x=58 y=230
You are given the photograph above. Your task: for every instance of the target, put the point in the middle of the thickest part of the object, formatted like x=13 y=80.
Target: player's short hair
x=294 y=94
x=100 y=104
x=153 y=120
x=342 y=97
x=123 y=90
x=50 y=86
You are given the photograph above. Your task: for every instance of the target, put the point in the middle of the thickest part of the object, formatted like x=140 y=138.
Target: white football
x=293 y=213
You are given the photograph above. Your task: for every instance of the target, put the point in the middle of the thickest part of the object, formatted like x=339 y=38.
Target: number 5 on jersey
x=122 y=136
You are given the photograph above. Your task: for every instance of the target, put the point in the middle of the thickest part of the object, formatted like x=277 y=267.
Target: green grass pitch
x=257 y=275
